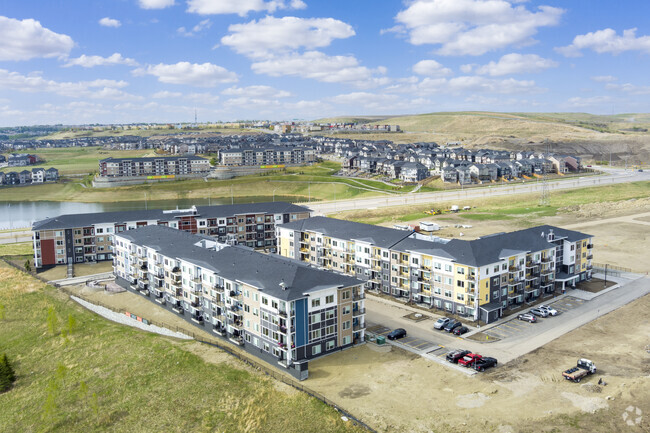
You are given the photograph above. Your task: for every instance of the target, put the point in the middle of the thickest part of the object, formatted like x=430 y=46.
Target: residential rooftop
x=223 y=211
x=268 y=273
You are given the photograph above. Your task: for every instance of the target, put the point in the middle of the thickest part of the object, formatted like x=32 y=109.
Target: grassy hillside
x=296 y=184
x=100 y=376
x=74 y=160
x=143 y=132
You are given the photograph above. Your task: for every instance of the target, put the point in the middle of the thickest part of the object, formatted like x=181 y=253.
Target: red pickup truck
x=469 y=359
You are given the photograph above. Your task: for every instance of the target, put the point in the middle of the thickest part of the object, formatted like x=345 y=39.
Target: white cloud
x=472 y=27
x=319 y=66
x=515 y=63
x=430 y=68
x=35 y=83
x=192 y=74
x=203 y=25
x=465 y=85
x=270 y=34
x=629 y=88
x=92 y=61
x=247 y=102
x=606 y=41
x=604 y=78
x=165 y=94
x=155 y=4
x=27 y=39
x=109 y=22
x=256 y=92
x=202 y=98
x=594 y=101
x=240 y=7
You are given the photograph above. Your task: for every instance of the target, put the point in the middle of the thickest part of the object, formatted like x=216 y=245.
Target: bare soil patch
x=400 y=392
x=595 y=285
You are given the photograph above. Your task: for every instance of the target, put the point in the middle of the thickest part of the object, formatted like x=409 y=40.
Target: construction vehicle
x=584 y=368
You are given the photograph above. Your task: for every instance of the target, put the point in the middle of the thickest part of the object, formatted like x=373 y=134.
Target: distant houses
x=28 y=177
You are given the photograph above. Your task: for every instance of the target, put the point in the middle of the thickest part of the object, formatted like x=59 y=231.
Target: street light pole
x=232 y=198
x=274 y=194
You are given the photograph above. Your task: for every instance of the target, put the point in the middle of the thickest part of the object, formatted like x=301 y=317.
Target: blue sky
x=122 y=61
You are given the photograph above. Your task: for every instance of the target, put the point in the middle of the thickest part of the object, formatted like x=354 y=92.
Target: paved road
x=14 y=237
x=613 y=176
x=518 y=343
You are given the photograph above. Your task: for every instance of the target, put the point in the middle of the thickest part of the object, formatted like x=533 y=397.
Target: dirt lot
x=399 y=391
x=621 y=229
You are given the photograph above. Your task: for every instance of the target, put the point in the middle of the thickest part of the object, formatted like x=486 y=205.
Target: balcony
x=590 y=256
x=197 y=280
x=531 y=264
x=359 y=327
x=176 y=271
x=590 y=246
x=546 y=259
x=359 y=312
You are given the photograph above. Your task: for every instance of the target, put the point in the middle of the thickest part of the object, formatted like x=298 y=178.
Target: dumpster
x=381 y=339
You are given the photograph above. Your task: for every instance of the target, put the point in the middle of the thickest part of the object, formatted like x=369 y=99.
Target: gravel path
x=125 y=320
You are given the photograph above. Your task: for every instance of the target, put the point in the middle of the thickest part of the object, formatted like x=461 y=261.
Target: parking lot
x=515 y=327
x=413 y=344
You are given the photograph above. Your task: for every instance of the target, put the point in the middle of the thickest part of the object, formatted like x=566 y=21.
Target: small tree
x=52 y=321
x=7 y=374
x=28 y=266
x=72 y=324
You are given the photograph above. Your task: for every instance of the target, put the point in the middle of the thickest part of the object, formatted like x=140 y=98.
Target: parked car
x=469 y=359
x=461 y=330
x=550 y=310
x=527 y=317
x=453 y=324
x=456 y=355
x=440 y=323
x=538 y=312
x=485 y=363
x=397 y=334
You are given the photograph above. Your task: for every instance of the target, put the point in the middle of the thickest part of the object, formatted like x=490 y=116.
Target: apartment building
x=168 y=166
x=278 y=309
x=478 y=278
x=79 y=238
x=272 y=155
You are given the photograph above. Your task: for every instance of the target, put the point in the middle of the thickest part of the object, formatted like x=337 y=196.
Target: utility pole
x=145 y=201
x=544 y=199
x=605 y=286
x=232 y=198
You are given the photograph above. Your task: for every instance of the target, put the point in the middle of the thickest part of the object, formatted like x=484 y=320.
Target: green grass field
x=314 y=182
x=101 y=376
x=525 y=206
x=75 y=160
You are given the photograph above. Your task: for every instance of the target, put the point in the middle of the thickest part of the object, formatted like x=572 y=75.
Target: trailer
x=583 y=368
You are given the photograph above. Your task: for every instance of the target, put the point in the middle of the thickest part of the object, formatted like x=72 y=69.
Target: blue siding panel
x=302 y=325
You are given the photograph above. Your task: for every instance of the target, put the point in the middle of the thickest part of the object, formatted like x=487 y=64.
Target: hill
x=587 y=135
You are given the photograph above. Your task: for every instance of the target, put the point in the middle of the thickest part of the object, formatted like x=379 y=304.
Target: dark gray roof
x=152 y=158
x=266 y=272
x=85 y=220
x=478 y=252
x=379 y=236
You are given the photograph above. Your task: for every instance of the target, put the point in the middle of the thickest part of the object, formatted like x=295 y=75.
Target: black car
x=455 y=355
x=396 y=334
x=453 y=324
x=485 y=362
x=461 y=330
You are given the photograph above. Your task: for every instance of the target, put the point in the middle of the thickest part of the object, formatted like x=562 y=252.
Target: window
x=329 y=314
x=448 y=268
x=329 y=345
x=265 y=300
x=345 y=295
x=315 y=303
x=315 y=350
x=460 y=271
x=346 y=325
x=345 y=310
x=315 y=318
x=347 y=340
x=330 y=330
x=329 y=299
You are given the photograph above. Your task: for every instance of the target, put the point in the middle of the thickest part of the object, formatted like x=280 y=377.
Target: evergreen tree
x=7 y=374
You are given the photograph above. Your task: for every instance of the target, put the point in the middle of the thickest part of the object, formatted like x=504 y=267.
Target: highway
x=613 y=176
